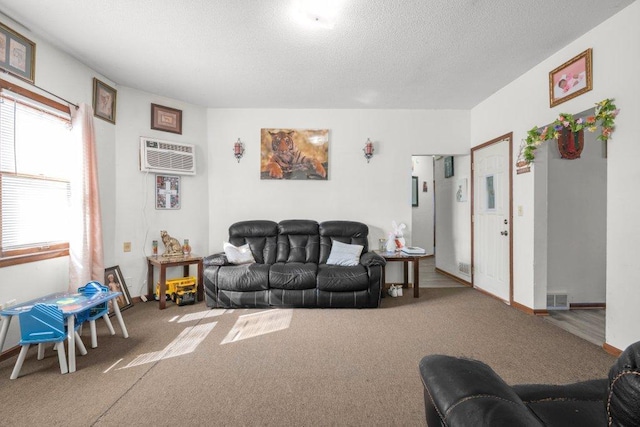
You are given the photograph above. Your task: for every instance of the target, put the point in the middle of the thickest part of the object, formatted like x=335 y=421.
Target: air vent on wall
x=557 y=302
x=464 y=267
x=167 y=157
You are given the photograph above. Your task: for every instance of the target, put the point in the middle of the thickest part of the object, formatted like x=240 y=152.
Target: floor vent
x=557 y=302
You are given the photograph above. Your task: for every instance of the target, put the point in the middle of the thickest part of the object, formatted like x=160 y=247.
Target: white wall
x=136 y=218
x=422 y=220
x=453 y=224
x=577 y=215
x=619 y=64
x=523 y=104
x=375 y=193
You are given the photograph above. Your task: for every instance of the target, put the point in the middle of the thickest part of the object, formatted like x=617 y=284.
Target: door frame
x=509 y=138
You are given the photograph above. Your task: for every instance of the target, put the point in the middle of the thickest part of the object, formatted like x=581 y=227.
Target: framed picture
x=115 y=281
x=104 y=101
x=300 y=154
x=17 y=54
x=448 y=166
x=166 y=119
x=167 y=192
x=571 y=79
x=414 y=191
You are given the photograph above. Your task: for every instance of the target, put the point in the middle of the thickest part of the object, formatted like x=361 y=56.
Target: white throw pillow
x=344 y=254
x=238 y=255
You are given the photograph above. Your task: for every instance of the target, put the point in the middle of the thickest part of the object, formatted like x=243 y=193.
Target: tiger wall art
x=294 y=153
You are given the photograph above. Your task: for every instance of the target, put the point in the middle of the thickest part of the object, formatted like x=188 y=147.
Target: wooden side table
x=400 y=256
x=163 y=263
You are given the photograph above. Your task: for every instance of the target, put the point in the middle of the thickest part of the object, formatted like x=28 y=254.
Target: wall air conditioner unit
x=167 y=157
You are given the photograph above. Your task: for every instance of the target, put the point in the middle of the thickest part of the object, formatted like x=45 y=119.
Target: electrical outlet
x=126 y=247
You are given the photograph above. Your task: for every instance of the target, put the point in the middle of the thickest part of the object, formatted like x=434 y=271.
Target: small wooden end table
x=175 y=261
x=399 y=256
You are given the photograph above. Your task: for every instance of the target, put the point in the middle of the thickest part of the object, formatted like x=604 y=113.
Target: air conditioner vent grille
x=175 y=147
x=170 y=161
x=167 y=157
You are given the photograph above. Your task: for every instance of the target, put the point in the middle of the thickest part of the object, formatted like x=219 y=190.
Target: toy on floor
x=182 y=290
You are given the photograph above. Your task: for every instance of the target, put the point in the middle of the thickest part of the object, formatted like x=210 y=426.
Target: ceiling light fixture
x=317 y=13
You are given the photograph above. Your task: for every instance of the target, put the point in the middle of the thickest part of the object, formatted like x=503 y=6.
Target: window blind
x=34 y=174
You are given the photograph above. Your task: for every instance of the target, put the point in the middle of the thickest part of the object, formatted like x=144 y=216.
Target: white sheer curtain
x=86 y=260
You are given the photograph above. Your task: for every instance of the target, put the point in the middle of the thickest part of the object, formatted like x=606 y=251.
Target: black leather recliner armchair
x=464 y=392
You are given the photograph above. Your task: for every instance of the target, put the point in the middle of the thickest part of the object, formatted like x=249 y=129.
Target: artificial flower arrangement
x=605 y=115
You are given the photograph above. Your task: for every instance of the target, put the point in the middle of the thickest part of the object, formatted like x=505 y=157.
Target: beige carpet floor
x=195 y=366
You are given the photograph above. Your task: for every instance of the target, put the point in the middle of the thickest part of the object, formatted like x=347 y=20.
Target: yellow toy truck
x=182 y=290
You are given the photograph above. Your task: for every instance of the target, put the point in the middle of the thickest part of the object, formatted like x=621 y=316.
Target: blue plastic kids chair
x=94 y=313
x=44 y=323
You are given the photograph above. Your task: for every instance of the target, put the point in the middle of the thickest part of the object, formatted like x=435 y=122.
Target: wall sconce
x=368 y=150
x=238 y=150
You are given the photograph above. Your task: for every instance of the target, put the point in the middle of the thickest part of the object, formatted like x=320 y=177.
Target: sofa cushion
x=246 y=277
x=260 y=235
x=293 y=275
x=238 y=254
x=344 y=254
x=298 y=241
x=350 y=232
x=341 y=278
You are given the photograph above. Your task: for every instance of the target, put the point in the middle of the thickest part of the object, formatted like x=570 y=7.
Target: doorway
x=492 y=230
x=440 y=221
x=573 y=255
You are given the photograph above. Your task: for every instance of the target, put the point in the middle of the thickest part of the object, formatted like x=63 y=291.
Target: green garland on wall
x=605 y=115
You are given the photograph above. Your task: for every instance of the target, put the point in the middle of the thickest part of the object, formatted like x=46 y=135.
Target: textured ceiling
x=445 y=54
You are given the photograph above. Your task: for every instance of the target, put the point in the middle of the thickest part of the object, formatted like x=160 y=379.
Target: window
x=35 y=159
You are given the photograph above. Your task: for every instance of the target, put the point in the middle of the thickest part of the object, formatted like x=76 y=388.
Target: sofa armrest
x=371 y=258
x=218 y=259
x=458 y=392
x=592 y=390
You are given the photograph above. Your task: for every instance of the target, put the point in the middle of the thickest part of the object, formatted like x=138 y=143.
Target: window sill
x=33 y=257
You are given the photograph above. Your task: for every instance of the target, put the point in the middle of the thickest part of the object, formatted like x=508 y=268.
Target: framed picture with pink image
x=571 y=79
x=114 y=280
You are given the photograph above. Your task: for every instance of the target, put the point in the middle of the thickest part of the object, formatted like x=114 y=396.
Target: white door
x=492 y=218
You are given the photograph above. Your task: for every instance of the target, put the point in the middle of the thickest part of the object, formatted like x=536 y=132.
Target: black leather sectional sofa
x=465 y=392
x=290 y=268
